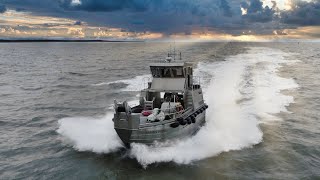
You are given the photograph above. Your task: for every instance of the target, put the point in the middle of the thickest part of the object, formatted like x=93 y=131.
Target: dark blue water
x=55 y=116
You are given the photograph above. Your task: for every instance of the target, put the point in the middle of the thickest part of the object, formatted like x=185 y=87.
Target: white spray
x=90 y=134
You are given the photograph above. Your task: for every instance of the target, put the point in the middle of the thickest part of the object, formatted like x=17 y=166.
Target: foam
x=90 y=134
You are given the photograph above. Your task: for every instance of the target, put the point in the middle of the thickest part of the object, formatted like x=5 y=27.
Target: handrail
x=173 y=107
x=165 y=121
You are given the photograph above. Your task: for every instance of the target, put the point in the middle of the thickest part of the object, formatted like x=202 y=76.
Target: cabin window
x=162 y=73
x=156 y=72
x=179 y=72
x=167 y=72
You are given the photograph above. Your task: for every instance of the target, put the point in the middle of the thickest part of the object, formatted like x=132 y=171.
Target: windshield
x=167 y=72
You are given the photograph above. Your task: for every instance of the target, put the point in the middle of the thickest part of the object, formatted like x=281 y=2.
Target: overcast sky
x=161 y=19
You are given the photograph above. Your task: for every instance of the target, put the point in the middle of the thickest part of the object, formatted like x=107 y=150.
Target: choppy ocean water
x=55 y=115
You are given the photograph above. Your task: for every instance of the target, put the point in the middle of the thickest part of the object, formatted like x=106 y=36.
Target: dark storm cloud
x=108 y=5
x=303 y=13
x=78 y=23
x=199 y=7
x=32 y=4
x=175 y=16
x=165 y=16
x=257 y=13
x=2 y=8
x=20 y=9
x=195 y=7
x=224 y=5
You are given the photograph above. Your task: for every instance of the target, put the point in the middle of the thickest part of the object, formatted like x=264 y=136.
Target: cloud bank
x=303 y=13
x=169 y=17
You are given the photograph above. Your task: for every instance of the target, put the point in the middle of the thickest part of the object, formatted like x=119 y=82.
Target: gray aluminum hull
x=160 y=131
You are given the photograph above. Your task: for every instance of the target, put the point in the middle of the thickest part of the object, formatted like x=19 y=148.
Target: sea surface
x=263 y=120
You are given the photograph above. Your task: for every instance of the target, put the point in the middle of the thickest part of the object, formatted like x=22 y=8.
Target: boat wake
x=244 y=91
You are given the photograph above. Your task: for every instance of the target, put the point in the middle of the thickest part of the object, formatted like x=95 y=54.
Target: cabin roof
x=172 y=64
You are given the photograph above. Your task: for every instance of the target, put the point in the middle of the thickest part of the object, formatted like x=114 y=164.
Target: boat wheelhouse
x=170 y=107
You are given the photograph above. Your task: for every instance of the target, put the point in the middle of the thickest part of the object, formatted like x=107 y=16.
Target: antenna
x=174 y=50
